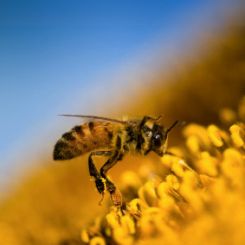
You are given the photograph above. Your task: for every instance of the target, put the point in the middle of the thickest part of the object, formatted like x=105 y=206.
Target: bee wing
x=95 y=117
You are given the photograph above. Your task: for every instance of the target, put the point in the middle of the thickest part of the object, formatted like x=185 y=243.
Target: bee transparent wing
x=95 y=117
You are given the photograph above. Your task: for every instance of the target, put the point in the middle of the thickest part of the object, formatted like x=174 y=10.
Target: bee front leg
x=108 y=165
x=116 y=196
x=117 y=155
x=94 y=172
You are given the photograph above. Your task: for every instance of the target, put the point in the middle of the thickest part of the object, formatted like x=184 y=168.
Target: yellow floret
x=97 y=240
x=237 y=135
x=215 y=135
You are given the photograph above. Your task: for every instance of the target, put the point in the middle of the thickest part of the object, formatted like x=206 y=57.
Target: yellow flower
x=207 y=164
x=199 y=132
x=237 y=135
x=192 y=143
x=147 y=193
x=130 y=179
x=97 y=241
x=172 y=180
x=227 y=116
x=195 y=197
x=215 y=135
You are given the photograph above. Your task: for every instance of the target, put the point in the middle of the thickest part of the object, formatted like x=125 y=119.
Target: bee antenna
x=94 y=118
x=172 y=126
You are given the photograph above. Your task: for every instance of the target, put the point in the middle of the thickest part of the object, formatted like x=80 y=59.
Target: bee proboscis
x=116 y=138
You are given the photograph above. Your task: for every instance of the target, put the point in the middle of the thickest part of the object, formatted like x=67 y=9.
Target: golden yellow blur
x=195 y=196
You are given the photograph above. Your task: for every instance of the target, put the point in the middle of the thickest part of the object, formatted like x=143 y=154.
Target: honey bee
x=111 y=138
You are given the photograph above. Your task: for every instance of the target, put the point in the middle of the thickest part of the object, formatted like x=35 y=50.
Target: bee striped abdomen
x=82 y=139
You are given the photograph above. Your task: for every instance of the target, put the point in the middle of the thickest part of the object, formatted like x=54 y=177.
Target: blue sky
x=51 y=49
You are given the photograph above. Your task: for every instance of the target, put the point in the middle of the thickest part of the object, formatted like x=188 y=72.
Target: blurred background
x=182 y=59
x=88 y=57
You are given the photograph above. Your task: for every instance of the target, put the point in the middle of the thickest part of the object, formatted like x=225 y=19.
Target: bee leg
x=94 y=172
x=144 y=120
x=109 y=164
x=116 y=196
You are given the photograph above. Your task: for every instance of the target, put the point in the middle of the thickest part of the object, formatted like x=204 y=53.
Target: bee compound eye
x=157 y=140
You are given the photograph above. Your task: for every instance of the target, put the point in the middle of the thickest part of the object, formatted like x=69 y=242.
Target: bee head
x=155 y=137
x=158 y=140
